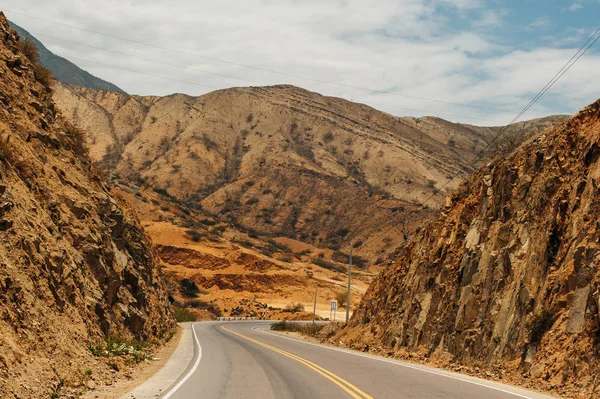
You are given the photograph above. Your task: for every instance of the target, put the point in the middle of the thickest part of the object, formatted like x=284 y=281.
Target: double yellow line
x=337 y=380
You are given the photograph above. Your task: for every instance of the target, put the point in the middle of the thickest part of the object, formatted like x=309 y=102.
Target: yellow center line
x=337 y=380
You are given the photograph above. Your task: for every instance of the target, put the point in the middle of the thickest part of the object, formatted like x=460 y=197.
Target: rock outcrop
x=506 y=277
x=75 y=267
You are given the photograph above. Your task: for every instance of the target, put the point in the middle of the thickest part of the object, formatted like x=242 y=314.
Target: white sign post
x=333 y=309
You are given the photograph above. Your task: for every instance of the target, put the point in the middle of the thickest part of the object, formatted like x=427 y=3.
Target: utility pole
x=315 y=305
x=349 y=281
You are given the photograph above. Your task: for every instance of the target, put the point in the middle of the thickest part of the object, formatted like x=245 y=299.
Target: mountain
x=64 y=70
x=505 y=279
x=284 y=161
x=76 y=271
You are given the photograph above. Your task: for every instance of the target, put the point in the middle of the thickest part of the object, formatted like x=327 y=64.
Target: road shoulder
x=157 y=383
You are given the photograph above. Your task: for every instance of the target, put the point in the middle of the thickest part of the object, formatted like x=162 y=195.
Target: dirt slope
x=75 y=266
x=505 y=279
x=284 y=161
x=237 y=273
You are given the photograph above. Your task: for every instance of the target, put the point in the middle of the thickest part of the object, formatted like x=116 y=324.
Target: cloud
x=414 y=48
x=490 y=19
x=575 y=6
x=541 y=22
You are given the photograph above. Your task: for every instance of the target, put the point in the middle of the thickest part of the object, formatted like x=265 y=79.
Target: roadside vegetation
x=310 y=329
x=121 y=352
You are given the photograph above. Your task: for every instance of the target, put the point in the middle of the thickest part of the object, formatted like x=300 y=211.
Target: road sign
x=333 y=309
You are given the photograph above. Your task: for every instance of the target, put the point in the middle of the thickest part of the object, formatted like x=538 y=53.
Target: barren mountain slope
x=506 y=277
x=282 y=160
x=75 y=267
x=217 y=270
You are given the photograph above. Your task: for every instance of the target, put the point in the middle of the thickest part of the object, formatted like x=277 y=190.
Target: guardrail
x=234 y=318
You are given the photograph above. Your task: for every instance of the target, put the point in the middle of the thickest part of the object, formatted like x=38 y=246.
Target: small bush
x=30 y=50
x=161 y=191
x=294 y=308
x=303 y=328
x=183 y=315
x=78 y=138
x=194 y=235
x=341 y=298
x=188 y=288
x=319 y=261
x=343 y=232
x=44 y=76
x=208 y=142
x=328 y=137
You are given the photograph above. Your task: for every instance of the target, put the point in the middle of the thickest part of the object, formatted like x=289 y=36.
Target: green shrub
x=194 y=235
x=341 y=298
x=328 y=137
x=319 y=261
x=161 y=191
x=305 y=328
x=183 y=315
x=188 y=288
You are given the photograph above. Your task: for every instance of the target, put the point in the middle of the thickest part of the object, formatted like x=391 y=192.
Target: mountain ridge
x=64 y=70
x=217 y=150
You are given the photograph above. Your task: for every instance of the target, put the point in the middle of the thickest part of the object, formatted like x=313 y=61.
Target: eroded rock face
x=74 y=264
x=507 y=275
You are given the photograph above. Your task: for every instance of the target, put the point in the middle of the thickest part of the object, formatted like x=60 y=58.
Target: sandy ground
x=140 y=374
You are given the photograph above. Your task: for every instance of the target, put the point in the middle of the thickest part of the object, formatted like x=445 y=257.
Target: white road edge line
x=397 y=363
x=193 y=369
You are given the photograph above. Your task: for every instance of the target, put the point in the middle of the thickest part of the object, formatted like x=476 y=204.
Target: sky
x=470 y=61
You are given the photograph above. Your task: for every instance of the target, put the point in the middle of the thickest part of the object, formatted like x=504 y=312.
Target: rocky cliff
x=284 y=161
x=75 y=267
x=505 y=278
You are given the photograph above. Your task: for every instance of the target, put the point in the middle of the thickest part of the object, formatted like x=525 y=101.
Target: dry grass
x=44 y=76
x=78 y=139
x=30 y=50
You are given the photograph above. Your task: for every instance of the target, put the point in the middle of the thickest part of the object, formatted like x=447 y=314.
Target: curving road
x=246 y=360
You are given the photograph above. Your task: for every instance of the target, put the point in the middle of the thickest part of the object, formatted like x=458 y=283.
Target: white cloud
x=490 y=19
x=407 y=46
x=541 y=22
x=575 y=6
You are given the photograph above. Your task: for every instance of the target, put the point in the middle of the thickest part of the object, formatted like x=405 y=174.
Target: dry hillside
x=284 y=161
x=217 y=270
x=75 y=266
x=505 y=279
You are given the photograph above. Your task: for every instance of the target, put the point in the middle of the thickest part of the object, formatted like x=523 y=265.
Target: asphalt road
x=246 y=360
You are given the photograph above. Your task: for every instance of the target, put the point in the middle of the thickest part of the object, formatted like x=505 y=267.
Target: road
x=246 y=360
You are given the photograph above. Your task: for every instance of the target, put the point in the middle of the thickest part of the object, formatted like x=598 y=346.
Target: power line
x=212 y=73
x=145 y=73
x=140 y=58
x=216 y=88
x=255 y=67
x=580 y=53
